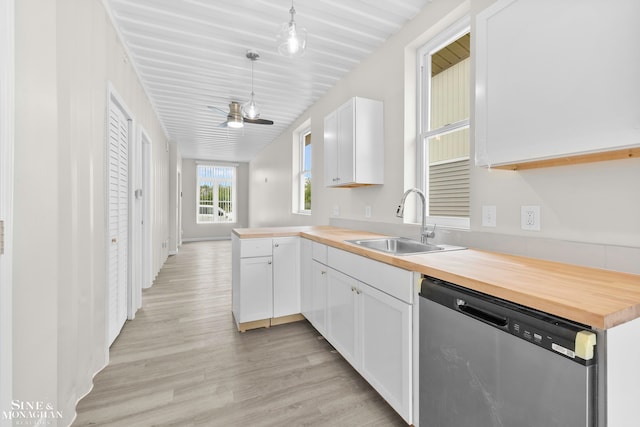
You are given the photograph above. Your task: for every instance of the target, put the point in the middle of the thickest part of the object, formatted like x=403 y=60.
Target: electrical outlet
x=489 y=216
x=336 y=210
x=530 y=218
x=367 y=211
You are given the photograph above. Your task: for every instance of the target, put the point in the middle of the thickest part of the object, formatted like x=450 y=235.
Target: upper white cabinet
x=556 y=79
x=354 y=144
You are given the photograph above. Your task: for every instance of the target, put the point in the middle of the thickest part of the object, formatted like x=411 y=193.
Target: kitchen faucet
x=424 y=234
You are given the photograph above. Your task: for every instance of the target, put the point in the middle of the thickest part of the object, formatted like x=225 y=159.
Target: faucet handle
x=429 y=234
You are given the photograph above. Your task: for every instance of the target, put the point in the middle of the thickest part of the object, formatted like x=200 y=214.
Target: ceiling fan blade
x=258 y=121
x=211 y=107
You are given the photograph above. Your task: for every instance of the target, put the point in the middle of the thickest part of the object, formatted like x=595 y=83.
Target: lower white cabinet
x=342 y=315
x=256 y=289
x=318 y=313
x=372 y=331
x=265 y=281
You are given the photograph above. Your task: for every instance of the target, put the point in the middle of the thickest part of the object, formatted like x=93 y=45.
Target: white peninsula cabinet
x=354 y=144
x=265 y=281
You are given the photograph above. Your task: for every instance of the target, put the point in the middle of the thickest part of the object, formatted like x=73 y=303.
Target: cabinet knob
x=269 y=262
x=323 y=272
x=277 y=245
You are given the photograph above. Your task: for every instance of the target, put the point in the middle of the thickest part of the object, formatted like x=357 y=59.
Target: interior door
x=118 y=211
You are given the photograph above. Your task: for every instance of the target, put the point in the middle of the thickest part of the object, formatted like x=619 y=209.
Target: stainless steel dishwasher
x=486 y=362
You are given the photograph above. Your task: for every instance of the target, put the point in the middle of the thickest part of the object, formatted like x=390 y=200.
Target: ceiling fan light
x=234 y=123
x=292 y=40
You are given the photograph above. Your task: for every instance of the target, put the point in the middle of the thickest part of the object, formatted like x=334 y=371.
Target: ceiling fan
x=247 y=113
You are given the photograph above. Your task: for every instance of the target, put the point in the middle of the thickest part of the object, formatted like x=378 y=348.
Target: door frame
x=114 y=97
x=7 y=128
x=145 y=183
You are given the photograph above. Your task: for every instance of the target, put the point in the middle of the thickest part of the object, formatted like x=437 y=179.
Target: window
x=444 y=94
x=304 y=174
x=216 y=198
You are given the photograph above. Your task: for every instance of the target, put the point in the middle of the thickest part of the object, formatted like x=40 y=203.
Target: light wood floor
x=181 y=362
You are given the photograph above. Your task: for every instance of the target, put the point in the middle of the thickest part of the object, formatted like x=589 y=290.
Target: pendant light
x=250 y=109
x=292 y=39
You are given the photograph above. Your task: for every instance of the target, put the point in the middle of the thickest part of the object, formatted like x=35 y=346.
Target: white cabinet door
x=386 y=352
x=346 y=142
x=536 y=99
x=354 y=144
x=306 y=278
x=318 y=314
x=286 y=276
x=256 y=289
x=342 y=316
x=331 y=149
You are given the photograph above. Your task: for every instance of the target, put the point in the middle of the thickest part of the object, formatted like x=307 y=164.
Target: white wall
x=66 y=53
x=597 y=203
x=194 y=231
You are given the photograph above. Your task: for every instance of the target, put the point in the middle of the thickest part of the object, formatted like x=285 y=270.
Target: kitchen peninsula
x=607 y=301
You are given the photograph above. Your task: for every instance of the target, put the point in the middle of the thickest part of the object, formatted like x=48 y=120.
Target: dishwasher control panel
x=572 y=340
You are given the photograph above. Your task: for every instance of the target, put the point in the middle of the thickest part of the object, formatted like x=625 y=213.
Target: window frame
x=423 y=131
x=302 y=172
x=216 y=201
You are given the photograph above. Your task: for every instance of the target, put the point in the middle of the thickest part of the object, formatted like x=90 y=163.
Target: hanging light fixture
x=292 y=39
x=250 y=109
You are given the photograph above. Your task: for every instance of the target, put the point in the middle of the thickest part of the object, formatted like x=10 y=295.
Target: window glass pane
x=450 y=94
x=306 y=178
x=216 y=194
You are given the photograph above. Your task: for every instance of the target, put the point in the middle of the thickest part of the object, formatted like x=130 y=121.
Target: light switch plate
x=336 y=210
x=367 y=211
x=530 y=218
x=489 y=216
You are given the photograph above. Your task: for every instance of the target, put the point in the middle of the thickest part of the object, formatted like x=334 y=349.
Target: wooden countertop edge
x=475 y=269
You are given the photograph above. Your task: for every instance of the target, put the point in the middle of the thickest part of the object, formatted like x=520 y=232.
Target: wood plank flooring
x=181 y=362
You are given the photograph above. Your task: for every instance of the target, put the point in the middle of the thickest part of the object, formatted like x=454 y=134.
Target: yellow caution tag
x=585 y=341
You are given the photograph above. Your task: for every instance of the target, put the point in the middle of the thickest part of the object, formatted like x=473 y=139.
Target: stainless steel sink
x=401 y=246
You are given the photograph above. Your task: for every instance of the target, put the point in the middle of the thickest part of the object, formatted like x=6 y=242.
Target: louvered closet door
x=118 y=219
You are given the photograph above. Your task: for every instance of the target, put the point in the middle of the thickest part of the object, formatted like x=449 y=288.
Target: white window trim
x=234 y=195
x=423 y=74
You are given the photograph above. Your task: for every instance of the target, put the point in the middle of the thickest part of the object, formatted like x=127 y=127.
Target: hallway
x=182 y=362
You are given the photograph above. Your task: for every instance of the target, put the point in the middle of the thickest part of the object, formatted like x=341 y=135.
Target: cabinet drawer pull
x=277 y=245
x=269 y=262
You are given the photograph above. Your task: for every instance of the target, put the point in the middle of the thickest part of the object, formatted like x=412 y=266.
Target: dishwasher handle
x=482 y=314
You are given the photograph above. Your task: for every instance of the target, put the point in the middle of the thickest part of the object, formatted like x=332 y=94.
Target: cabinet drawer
x=319 y=252
x=255 y=247
x=384 y=277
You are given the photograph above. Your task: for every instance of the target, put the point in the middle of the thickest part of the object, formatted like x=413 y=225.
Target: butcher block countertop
x=596 y=297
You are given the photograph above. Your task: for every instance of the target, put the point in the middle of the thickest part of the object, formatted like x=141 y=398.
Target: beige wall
x=597 y=203
x=66 y=53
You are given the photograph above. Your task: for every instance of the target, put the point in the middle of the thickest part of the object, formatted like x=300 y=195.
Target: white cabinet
x=314 y=283
x=536 y=99
x=342 y=315
x=370 y=328
x=354 y=144
x=265 y=281
x=256 y=291
x=318 y=314
x=385 y=331
x=306 y=276
x=286 y=276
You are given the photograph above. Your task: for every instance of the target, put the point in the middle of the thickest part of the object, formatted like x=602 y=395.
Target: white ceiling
x=190 y=54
